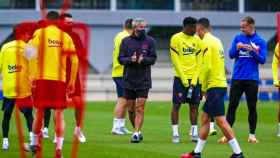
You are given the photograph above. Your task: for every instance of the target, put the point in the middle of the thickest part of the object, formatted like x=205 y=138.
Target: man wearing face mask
x=248 y=50
x=185 y=50
x=137 y=54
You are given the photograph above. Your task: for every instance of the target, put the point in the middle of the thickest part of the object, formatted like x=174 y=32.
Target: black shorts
x=214 y=105
x=138 y=93
x=119 y=86
x=9 y=104
x=180 y=93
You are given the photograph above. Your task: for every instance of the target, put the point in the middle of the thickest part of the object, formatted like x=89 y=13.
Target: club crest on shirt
x=14 y=68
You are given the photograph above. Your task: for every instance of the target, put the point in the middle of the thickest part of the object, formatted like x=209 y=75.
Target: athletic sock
x=59 y=143
x=122 y=122
x=252 y=135
x=34 y=140
x=175 y=130
x=194 y=130
x=115 y=123
x=234 y=146
x=212 y=126
x=200 y=145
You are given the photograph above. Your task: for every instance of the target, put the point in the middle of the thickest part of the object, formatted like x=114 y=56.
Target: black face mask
x=140 y=34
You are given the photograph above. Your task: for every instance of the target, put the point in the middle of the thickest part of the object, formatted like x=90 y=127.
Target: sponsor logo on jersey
x=54 y=43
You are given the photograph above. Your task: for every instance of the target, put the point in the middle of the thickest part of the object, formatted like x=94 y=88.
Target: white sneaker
x=176 y=139
x=45 y=132
x=125 y=130
x=117 y=131
x=5 y=145
x=80 y=135
x=278 y=135
x=213 y=132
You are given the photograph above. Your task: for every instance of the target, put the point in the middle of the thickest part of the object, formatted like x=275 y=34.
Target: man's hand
x=248 y=47
x=70 y=88
x=140 y=59
x=239 y=45
x=134 y=57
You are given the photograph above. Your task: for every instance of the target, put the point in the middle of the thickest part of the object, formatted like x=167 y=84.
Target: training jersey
x=185 y=51
x=53 y=46
x=275 y=65
x=117 y=70
x=246 y=63
x=14 y=68
x=213 y=60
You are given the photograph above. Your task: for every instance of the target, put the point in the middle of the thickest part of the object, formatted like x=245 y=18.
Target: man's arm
x=259 y=54
x=275 y=66
x=174 y=54
x=233 y=52
x=206 y=68
x=123 y=58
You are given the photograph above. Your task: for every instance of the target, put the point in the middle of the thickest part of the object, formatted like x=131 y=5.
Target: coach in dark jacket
x=137 y=54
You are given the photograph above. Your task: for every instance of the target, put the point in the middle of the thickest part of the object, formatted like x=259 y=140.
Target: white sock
x=200 y=145
x=59 y=143
x=175 y=130
x=252 y=135
x=122 y=122
x=45 y=129
x=30 y=136
x=115 y=123
x=34 y=140
x=5 y=139
x=194 y=130
x=234 y=146
x=212 y=126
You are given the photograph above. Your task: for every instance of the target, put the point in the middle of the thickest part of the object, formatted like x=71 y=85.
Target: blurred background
x=105 y=18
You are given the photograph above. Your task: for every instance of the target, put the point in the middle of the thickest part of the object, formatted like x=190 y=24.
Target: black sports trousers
x=250 y=88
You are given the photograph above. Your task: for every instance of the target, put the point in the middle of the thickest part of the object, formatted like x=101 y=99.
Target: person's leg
x=251 y=92
x=193 y=114
x=178 y=97
x=59 y=128
x=79 y=114
x=229 y=134
x=131 y=111
x=8 y=106
x=37 y=125
x=47 y=117
x=139 y=117
x=27 y=112
x=278 y=120
x=236 y=91
x=212 y=131
x=203 y=132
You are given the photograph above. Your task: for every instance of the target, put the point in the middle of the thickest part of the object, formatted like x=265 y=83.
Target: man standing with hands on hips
x=137 y=54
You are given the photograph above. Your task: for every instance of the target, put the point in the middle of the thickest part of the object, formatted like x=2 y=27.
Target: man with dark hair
x=214 y=86
x=137 y=54
x=50 y=78
x=117 y=74
x=185 y=48
x=206 y=24
x=248 y=50
x=14 y=69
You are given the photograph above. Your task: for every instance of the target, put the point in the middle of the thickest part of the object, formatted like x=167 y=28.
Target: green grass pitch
x=157 y=135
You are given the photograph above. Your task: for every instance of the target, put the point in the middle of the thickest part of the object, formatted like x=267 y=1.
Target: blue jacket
x=246 y=64
x=137 y=76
